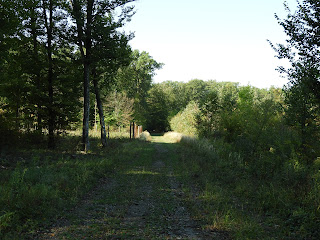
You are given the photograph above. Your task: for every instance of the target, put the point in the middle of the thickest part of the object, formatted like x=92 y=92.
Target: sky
x=211 y=39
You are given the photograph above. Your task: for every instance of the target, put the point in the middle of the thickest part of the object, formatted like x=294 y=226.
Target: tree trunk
x=49 y=26
x=95 y=117
x=86 y=59
x=86 y=108
x=100 y=110
x=17 y=125
x=87 y=63
x=36 y=69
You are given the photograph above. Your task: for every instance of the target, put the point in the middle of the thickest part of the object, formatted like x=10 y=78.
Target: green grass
x=282 y=204
x=36 y=186
x=222 y=192
x=136 y=182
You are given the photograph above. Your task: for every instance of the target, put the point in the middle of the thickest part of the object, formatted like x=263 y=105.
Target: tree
x=136 y=81
x=302 y=114
x=136 y=78
x=38 y=74
x=157 y=110
x=48 y=6
x=107 y=61
x=174 y=92
x=195 y=90
x=302 y=47
x=208 y=118
x=9 y=22
x=185 y=121
x=119 y=109
x=303 y=53
x=91 y=17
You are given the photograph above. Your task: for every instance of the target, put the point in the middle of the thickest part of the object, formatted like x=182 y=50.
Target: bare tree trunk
x=17 y=125
x=100 y=110
x=95 y=116
x=87 y=63
x=86 y=58
x=86 y=109
x=36 y=70
x=49 y=26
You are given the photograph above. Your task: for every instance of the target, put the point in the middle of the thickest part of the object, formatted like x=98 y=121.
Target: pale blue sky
x=211 y=39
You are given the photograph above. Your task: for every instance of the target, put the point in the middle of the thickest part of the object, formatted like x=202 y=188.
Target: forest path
x=142 y=200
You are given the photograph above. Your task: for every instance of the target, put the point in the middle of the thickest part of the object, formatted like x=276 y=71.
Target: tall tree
x=136 y=80
x=109 y=54
x=34 y=30
x=21 y=46
x=119 y=109
x=89 y=17
x=302 y=47
x=9 y=22
x=47 y=5
x=158 y=111
x=302 y=50
x=37 y=60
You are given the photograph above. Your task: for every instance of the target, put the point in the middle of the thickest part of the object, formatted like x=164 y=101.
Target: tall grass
x=283 y=202
x=97 y=133
x=37 y=185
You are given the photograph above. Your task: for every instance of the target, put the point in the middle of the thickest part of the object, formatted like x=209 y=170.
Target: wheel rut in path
x=143 y=201
x=179 y=223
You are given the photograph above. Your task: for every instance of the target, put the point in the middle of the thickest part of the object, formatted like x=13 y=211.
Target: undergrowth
x=36 y=186
x=254 y=201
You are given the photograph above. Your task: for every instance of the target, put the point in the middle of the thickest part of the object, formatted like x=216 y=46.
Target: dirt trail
x=145 y=201
x=181 y=225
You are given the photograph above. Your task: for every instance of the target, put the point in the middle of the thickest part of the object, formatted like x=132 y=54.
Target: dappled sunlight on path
x=169 y=137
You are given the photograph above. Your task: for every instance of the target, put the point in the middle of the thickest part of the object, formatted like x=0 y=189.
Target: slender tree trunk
x=51 y=143
x=36 y=69
x=86 y=59
x=87 y=63
x=86 y=108
x=95 y=116
x=17 y=116
x=49 y=26
x=100 y=110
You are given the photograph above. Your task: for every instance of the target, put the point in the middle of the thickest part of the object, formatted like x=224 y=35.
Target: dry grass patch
x=173 y=136
x=145 y=136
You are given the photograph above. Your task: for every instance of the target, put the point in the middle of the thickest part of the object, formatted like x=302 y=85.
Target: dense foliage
x=301 y=50
x=58 y=55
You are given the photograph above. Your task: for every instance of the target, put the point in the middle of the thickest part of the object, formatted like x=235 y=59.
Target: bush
x=173 y=136
x=145 y=136
x=185 y=121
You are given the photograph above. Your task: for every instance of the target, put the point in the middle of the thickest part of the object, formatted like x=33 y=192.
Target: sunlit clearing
x=169 y=137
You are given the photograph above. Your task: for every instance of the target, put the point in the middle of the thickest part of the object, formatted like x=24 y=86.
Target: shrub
x=145 y=136
x=185 y=121
x=173 y=136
